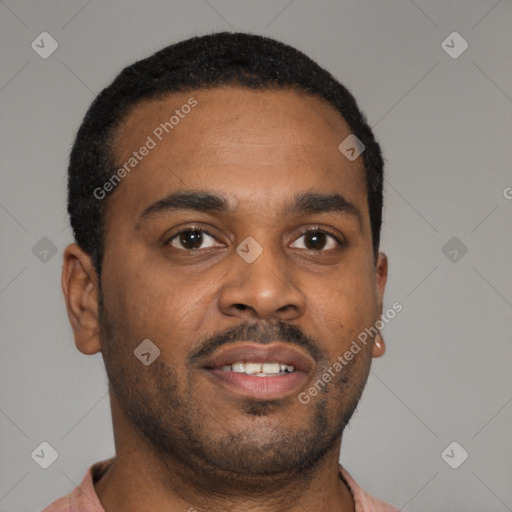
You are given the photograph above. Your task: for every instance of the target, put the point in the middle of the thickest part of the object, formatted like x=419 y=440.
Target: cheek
x=165 y=307
x=342 y=308
x=144 y=304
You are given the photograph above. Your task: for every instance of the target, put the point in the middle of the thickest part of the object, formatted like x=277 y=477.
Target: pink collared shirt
x=85 y=499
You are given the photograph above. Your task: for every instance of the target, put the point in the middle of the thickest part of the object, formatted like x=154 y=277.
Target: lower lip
x=260 y=388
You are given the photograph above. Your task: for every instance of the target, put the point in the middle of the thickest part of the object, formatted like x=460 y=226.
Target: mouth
x=260 y=372
x=259 y=369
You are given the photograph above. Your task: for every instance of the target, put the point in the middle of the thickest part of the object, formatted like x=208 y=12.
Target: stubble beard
x=177 y=429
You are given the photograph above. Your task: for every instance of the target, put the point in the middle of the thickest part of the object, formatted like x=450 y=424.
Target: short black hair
x=210 y=61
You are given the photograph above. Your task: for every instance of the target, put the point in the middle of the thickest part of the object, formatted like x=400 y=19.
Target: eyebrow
x=204 y=201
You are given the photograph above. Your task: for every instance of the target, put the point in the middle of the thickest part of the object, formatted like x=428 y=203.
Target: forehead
x=247 y=143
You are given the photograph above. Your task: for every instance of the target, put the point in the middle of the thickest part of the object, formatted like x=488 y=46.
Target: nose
x=265 y=289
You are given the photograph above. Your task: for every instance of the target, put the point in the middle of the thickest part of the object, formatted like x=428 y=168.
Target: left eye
x=317 y=239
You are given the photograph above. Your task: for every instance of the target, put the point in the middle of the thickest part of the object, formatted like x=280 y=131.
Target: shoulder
x=83 y=498
x=363 y=501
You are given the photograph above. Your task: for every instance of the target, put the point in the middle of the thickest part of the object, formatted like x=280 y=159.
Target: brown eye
x=190 y=239
x=315 y=240
x=318 y=240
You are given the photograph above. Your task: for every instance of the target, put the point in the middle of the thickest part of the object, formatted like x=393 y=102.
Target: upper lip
x=257 y=353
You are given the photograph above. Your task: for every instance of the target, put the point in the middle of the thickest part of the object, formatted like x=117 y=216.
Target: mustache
x=263 y=333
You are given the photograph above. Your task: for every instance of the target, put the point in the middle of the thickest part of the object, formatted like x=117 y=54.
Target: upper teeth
x=259 y=368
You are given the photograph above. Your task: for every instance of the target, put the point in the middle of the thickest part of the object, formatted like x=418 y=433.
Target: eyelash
x=304 y=232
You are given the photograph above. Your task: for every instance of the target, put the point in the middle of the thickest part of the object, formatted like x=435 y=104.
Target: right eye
x=190 y=239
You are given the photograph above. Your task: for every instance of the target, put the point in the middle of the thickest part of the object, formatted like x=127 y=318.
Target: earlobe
x=379 y=347
x=80 y=287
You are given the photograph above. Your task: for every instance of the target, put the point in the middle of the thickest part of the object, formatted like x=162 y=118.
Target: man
x=226 y=198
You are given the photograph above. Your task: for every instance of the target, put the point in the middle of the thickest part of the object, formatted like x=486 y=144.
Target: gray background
x=445 y=127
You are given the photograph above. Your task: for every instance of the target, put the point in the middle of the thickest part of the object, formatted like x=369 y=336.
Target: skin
x=181 y=440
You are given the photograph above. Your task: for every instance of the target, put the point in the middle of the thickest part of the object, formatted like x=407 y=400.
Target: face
x=240 y=245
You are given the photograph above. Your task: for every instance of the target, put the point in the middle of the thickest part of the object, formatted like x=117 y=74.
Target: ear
x=80 y=287
x=379 y=347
